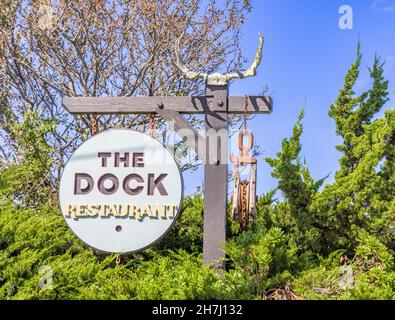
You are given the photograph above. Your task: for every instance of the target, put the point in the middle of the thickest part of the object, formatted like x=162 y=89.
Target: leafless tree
x=55 y=48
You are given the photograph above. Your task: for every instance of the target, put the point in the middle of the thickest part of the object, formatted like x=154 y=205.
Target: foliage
x=361 y=198
x=32 y=239
x=55 y=49
x=27 y=180
x=318 y=242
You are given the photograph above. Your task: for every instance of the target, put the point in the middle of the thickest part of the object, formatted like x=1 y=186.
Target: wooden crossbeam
x=186 y=105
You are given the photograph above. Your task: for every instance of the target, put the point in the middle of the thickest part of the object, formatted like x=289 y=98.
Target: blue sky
x=306 y=56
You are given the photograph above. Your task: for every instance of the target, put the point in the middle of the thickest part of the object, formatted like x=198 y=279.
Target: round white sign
x=121 y=191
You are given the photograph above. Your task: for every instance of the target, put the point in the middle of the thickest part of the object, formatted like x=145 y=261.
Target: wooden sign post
x=216 y=105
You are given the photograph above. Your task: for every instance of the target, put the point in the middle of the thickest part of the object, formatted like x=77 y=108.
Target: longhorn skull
x=218 y=78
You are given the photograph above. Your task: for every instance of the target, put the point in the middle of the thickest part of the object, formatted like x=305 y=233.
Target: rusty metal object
x=235 y=195
x=94 y=124
x=252 y=193
x=244 y=192
x=244 y=158
x=245 y=111
x=151 y=130
x=152 y=121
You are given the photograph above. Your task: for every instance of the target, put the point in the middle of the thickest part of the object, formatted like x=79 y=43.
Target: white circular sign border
x=153 y=243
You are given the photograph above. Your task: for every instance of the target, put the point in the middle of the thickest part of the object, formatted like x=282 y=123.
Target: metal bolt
x=220 y=102
x=118 y=228
x=160 y=105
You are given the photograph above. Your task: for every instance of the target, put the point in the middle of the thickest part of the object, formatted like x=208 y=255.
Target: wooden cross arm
x=186 y=105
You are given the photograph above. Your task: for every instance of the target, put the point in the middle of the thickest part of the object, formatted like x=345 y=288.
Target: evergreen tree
x=362 y=196
x=295 y=180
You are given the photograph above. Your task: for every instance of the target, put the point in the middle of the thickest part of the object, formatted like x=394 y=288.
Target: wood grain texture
x=256 y=104
x=215 y=189
x=142 y=104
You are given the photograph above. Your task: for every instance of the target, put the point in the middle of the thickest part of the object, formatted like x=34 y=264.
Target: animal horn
x=251 y=71
x=180 y=66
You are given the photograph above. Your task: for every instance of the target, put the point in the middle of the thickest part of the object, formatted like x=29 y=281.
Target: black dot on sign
x=118 y=228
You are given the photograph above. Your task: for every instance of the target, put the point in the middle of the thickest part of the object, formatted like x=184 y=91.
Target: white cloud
x=383 y=5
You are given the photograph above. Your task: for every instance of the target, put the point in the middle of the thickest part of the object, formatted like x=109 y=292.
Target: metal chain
x=244 y=204
x=94 y=124
x=245 y=111
x=152 y=124
x=152 y=121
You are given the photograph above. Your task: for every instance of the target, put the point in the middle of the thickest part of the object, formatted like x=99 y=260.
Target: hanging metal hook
x=244 y=192
x=152 y=124
x=94 y=124
x=244 y=158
